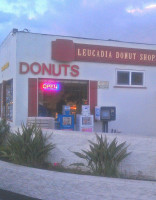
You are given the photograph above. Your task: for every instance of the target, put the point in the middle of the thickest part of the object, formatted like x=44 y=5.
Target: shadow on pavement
x=7 y=195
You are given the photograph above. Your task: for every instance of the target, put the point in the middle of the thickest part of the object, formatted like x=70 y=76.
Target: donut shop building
x=108 y=75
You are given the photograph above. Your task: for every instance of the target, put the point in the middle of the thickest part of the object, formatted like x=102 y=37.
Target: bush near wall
x=103 y=158
x=28 y=146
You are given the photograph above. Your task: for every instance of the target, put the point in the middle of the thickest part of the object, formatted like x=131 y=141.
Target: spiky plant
x=4 y=131
x=103 y=158
x=28 y=147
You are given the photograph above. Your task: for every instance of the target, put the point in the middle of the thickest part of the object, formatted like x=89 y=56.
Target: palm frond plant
x=103 y=158
x=4 y=131
x=28 y=147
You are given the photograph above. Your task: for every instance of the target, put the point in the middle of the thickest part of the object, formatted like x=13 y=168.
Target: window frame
x=130 y=78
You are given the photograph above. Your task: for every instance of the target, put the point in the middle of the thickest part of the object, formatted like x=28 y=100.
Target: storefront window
x=122 y=78
x=137 y=78
x=9 y=100
x=130 y=78
x=53 y=94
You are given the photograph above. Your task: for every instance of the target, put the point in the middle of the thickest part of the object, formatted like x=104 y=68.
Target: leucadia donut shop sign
x=68 y=51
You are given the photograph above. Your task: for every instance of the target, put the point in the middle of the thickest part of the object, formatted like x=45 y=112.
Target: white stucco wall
x=8 y=55
x=136 y=107
x=139 y=164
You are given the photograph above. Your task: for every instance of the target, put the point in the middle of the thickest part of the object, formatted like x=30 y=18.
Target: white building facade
x=101 y=73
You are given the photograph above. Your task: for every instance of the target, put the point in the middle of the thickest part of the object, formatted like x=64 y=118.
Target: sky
x=123 y=20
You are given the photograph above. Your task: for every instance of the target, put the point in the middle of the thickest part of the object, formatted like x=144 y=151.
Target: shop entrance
x=53 y=94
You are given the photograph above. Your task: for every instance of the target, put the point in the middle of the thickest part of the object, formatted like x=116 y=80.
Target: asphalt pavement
x=7 y=195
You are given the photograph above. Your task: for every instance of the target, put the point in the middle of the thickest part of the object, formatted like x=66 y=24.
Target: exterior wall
x=8 y=55
x=135 y=107
x=139 y=164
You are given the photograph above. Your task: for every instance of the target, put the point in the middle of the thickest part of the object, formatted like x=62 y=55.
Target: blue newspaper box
x=65 y=122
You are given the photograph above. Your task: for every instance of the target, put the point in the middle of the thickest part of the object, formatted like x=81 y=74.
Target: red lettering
x=23 y=68
x=37 y=66
x=50 y=69
x=54 y=72
x=74 y=70
x=45 y=68
x=65 y=68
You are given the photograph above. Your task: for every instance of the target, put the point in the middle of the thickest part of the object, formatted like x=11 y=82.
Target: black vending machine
x=107 y=114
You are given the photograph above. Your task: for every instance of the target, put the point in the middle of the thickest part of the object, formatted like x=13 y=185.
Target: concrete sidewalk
x=49 y=185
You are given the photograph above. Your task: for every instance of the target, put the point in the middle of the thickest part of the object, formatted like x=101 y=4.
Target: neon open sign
x=49 y=86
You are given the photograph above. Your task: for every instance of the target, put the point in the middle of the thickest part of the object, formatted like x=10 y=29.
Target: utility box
x=108 y=113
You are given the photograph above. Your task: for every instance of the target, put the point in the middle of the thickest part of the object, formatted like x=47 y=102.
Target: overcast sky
x=125 y=20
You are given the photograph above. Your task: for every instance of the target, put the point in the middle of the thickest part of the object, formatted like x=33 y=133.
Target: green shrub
x=29 y=147
x=103 y=158
x=4 y=131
